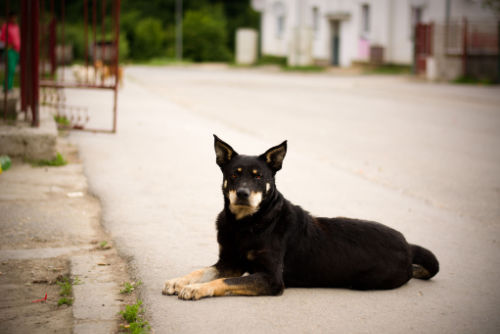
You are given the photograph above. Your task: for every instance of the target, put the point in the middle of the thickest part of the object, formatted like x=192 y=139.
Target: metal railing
x=43 y=54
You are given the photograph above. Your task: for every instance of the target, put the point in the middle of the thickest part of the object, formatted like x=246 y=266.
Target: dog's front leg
x=174 y=286
x=251 y=285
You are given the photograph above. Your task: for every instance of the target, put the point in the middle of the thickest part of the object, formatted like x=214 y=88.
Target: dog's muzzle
x=244 y=202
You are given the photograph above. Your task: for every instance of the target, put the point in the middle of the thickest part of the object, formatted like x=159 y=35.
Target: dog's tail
x=425 y=264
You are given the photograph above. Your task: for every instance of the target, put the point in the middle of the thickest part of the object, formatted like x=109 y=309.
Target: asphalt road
x=422 y=158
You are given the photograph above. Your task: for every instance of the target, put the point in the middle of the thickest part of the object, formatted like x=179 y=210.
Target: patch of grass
x=390 y=69
x=272 y=60
x=310 y=68
x=466 y=80
x=65 y=301
x=133 y=315
x=66 y=291
x=129 y=287
x=162 y=61
x=66 y=287
x=57 y=161
x=61 y=120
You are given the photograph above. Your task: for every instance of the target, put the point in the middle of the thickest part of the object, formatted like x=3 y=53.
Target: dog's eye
x=234 y=175
x=257 y=176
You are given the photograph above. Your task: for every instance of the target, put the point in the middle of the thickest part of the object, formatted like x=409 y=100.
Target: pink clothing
x=14 y=36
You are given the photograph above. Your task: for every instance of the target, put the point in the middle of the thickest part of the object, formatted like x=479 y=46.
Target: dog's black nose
x=243 y=193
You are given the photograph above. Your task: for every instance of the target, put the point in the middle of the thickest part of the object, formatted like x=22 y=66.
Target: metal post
x=24 y=28
x=6 y=55
x=498 y=52
x=52 y=39
x=94 y=10
x=102 y=47
x=63 y=10
x=35 y=80
x=178 y=40
x=117 y=57
x=85 y=23
x=464 y=47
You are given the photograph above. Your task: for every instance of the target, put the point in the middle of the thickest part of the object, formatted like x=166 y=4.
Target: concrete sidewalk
x=51 y=230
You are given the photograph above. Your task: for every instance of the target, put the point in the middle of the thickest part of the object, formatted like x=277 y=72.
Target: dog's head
x=248 y=180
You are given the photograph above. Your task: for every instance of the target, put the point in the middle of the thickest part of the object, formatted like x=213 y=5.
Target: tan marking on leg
x=225 y=184
x=216 y=288
x=268 y=187
x=175 y=285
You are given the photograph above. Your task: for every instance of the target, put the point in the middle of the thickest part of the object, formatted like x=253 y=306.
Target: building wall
x=390 y=25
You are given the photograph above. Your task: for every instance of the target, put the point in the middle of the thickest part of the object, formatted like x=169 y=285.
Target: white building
x=340 y=32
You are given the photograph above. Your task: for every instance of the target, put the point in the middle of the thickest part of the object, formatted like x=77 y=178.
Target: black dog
x=266 y=243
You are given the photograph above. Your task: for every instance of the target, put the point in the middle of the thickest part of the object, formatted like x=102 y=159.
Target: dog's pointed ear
x=274 y=156
x=223 y=152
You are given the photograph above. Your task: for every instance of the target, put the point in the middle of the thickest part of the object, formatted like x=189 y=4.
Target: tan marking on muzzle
x=241 y=211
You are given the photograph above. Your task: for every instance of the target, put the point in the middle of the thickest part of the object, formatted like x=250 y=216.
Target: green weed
x=66 y=287
x=61 y=120
x=133 y=315
x=65 y=301
x=129 y=287
x=57 y=161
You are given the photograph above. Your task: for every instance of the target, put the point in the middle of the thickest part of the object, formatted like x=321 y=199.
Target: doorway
x=335 y=42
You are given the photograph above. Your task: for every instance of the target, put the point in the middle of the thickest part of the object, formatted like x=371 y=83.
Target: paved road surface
x=422 y=158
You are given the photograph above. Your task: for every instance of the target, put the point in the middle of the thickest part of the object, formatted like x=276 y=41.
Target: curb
x=22 y=140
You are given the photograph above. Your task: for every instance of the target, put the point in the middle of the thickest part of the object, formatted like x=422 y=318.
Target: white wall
x=390 y=25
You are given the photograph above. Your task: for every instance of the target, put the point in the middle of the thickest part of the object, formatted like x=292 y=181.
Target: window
x=279 y=14
x=315 y=20
x=365 y=18
x=280 y=26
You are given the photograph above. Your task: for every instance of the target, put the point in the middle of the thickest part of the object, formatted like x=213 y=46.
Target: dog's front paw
x=196 y=291
x=174 y=286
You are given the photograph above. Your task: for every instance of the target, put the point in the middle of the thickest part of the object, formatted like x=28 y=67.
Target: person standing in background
x=12 y=41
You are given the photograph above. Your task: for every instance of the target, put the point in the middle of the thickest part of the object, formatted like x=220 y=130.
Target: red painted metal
x=52 y=39
x=94 y=45
x=63 y=38
x=4 y=84
x=86 y=38
x=117 y=57
x=423 y=45
x=39 y=40
x=464 y=46
x=35 y=23
x=23 y=57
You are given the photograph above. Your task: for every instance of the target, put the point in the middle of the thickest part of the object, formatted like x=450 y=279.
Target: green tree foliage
x=205 y=35
x=148 y=39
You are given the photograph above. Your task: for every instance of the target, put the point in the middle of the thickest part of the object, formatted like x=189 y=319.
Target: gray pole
x=178 y=40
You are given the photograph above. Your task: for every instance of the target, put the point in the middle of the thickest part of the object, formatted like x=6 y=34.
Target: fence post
x=6 y=57
x=464 y=47
x=23 y=54
x=498 y=52
x=35 y=79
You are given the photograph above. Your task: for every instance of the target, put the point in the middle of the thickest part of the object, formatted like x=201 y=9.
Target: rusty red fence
x=476 y=43
x=423 y=45
x=44 y=53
